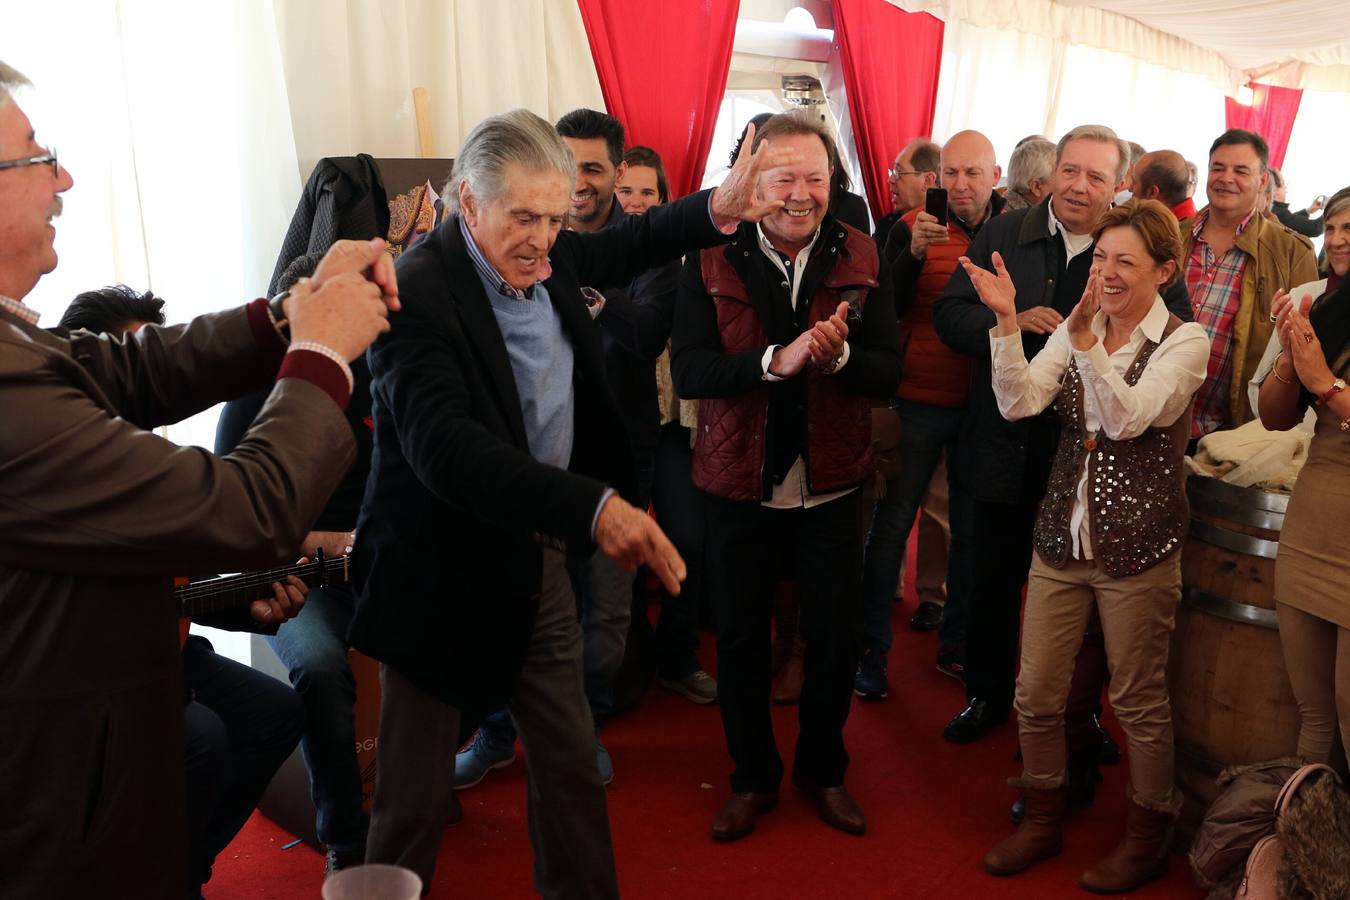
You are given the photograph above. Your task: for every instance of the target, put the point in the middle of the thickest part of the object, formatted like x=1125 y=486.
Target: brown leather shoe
x=738 y=814
x=837 y=808
x=1039 y=836
x=1140 y=857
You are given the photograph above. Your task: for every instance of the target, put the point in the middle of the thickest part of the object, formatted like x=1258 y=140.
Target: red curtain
x=1271 y=115
x=891 y=60
x=663 y=69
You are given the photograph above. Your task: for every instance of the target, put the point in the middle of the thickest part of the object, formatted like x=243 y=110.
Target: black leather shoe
x=926 y=618
x=971 y=723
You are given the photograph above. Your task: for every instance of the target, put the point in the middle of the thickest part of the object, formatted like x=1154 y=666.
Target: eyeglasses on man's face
x=896 y=173
x=46 y=159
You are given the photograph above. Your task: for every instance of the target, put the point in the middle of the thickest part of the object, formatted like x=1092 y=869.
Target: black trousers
x=1002 y=558
x=240 y=727
x=679 y=511
x=747 y=546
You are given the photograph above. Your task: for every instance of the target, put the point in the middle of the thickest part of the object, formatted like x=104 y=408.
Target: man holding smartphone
x=922 y=252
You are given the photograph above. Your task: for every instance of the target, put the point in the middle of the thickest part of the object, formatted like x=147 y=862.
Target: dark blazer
x=448 y=557
x=993 y=458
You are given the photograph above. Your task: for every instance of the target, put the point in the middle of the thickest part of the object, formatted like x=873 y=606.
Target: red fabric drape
x=1271 y=115
x=891 y=60
x=663 y=69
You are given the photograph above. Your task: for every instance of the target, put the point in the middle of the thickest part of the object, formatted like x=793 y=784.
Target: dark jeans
x=240 y=727
x=679 y=512
x=926 y=432
x=747 y=543
x=313 y=647
x=1001 y=561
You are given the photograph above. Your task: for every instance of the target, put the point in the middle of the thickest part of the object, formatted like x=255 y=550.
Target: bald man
x=1162 y=175
x=922 y=254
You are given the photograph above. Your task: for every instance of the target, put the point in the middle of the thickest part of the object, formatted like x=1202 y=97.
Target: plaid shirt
x=14 y=307
x=1215 y=286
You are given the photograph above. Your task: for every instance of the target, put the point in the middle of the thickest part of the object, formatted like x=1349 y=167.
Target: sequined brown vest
x=1137 y=510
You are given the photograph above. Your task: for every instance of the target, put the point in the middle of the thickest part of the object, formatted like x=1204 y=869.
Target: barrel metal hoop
x=1204 y=491
x=1246 y=515
x=1232 y=540
x=1223 y=608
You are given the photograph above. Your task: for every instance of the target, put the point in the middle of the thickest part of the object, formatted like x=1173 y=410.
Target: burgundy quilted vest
x=729 y=446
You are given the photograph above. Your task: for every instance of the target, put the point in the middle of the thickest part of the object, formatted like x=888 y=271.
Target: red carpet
x=933 y=808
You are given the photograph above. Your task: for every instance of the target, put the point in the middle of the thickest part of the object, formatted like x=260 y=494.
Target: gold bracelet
x=1275 y=370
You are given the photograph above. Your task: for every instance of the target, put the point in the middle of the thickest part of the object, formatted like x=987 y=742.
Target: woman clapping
x=1311 y=599
x=1121 y=371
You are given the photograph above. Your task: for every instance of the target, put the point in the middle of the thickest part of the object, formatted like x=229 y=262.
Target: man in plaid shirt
x=1236 y=260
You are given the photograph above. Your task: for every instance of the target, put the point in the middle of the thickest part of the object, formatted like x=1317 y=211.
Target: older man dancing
x=496 y=441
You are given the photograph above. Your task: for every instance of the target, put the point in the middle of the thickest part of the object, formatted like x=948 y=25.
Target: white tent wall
x=351 y=66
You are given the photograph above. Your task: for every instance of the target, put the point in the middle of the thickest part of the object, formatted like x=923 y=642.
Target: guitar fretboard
x=232 y=591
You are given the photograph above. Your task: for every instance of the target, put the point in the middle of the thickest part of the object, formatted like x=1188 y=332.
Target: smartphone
x=935 y=204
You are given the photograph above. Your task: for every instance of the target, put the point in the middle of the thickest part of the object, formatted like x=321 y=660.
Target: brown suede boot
x=789 y=688
x=1040 y=835
x=1140 y=857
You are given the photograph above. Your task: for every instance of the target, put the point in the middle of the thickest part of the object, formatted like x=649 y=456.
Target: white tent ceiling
x=1296 y=43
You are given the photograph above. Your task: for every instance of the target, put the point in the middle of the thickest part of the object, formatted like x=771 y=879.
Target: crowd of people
x=481 y=430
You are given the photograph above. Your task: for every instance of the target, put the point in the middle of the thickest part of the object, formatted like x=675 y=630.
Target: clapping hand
x=1079 y=323
x=828 y=336
x=1305 y=351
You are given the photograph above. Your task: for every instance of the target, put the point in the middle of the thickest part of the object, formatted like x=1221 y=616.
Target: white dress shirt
x=1121 y=412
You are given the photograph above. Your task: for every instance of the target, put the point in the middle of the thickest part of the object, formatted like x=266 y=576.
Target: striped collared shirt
x=490 y=274
x=15 y=308
x=1215 y=286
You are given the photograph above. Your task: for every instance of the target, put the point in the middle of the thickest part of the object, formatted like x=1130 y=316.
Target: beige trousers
x=1137 y=616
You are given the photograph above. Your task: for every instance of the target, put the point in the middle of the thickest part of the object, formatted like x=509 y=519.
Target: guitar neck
x=233 y=591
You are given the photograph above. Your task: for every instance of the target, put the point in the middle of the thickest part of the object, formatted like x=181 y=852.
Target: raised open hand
x=737 y=199
x=995 y=288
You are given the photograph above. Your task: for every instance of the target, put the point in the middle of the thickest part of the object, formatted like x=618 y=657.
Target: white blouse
x=1164 y=391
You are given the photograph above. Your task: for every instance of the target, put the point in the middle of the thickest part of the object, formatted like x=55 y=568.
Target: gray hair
x=11 y=79
x=518 y=136
x=1098 y=133
x=1031 y=160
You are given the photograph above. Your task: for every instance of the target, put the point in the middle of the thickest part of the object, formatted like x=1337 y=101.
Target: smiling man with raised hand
x=1236 y=261
x=1047 y=249
x=496 y=446
x=784 y=337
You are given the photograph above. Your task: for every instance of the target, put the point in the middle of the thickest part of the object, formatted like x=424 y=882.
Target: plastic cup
x=373 y=882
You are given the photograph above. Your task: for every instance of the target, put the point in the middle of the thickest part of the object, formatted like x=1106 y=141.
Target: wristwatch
x=1336 y=387
x=278 y=308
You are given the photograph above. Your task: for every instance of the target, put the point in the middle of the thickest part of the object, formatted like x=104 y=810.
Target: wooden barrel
x=1231 y=700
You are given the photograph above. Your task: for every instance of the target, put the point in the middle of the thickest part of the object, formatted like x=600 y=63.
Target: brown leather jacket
x=1283 y=259
x=97 y=513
